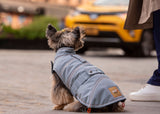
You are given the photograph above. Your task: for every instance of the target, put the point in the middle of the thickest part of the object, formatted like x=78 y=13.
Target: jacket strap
x=52 y=65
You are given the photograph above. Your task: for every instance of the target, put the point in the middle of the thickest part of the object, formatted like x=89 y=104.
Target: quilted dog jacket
x=88 y=84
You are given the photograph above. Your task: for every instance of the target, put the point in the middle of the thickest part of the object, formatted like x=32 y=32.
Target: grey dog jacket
x=88 y=84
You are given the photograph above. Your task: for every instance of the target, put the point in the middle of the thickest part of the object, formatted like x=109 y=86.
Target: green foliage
x=8 y=32
x=32 y=31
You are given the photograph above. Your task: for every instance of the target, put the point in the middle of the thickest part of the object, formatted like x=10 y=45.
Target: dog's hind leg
x=73 y=107
x=59 y=107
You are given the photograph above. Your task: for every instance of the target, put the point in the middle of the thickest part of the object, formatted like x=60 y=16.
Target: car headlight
x=132 y=33
x=74 y=12
x=122 y=15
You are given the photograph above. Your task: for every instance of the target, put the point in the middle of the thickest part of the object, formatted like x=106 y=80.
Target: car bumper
x=102 y=42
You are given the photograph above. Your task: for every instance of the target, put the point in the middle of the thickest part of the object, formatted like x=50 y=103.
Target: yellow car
x=103 y=21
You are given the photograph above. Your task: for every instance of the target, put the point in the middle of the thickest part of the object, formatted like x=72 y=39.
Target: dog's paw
x=68 y=109
x=58 y=107
x=73 y=107
x=121 y=106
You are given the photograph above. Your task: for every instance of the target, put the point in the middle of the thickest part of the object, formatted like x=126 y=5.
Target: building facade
x=58 y=2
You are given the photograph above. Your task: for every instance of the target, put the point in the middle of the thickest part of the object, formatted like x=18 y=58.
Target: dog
x=79 y=86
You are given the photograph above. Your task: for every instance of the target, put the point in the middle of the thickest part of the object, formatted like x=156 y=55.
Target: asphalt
x=25 y=81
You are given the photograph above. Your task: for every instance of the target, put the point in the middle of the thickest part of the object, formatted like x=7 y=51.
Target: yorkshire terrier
x=79 y=86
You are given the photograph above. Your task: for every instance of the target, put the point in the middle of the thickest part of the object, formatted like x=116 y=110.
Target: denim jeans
x=155 y=79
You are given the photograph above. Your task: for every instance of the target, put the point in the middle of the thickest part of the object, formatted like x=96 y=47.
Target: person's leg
x=155 y=79
x=151 y=92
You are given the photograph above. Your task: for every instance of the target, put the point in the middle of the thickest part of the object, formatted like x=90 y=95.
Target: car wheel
x=146 y=44
x=144 y=48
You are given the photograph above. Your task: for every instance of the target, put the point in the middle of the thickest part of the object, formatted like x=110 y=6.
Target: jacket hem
x=103 y=105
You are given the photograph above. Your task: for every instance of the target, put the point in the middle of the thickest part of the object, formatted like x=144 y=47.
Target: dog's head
x=65 y=38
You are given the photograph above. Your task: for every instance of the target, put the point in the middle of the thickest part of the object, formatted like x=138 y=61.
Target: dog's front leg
x=61 y=96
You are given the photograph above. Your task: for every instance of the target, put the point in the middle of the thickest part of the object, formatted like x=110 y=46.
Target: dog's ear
x=50 y=31
x=76 y=31
x=50 y=27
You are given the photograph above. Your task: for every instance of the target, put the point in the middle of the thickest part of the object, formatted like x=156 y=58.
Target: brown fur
x=61 y=96
x=66 y=37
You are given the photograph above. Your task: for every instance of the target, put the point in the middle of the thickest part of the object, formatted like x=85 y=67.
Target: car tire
x=146 y=44
x=144 y=48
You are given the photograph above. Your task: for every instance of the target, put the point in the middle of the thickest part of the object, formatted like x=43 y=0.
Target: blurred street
x=25 y=79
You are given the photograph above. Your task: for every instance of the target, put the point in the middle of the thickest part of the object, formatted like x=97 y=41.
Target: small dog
x=79 y=86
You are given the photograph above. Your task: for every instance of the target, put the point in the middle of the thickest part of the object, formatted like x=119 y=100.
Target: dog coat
x=88 y=84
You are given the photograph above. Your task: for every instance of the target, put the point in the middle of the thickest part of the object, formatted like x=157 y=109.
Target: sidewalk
x=25 y=80
x=131 y=108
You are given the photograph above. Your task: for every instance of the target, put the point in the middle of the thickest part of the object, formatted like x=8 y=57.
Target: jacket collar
x=66 y=50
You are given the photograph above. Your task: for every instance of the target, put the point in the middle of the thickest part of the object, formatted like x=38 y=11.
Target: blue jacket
x=87 y=83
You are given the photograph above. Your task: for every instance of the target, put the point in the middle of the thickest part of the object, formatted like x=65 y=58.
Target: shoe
x=147 y=93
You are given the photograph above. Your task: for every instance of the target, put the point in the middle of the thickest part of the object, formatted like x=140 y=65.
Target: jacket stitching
x=91 y=105
x=66 y=66
x=60 y=56
x=69 y=79
x=93 y=89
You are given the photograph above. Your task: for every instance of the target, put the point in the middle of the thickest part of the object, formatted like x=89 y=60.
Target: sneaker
x=147 y=93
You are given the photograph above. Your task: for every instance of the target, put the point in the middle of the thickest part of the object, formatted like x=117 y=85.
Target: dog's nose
x=50 y=27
